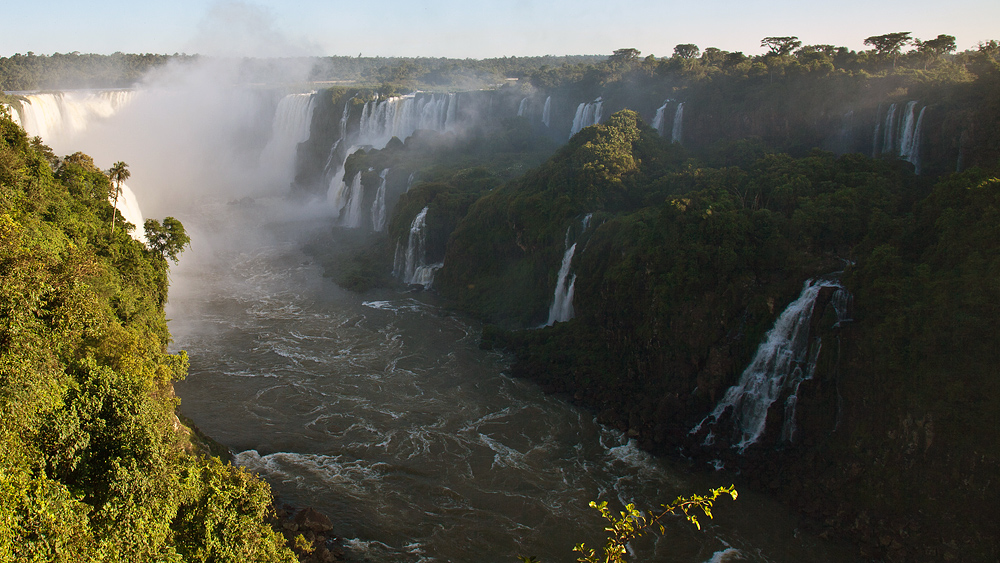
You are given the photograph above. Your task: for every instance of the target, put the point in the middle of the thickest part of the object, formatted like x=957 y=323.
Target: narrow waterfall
x=56 y=118
x=876 y=139
x=906 y=133
x=562 y=300
x=914 y=157
x=909 y=147
x=547 y=112
x=658 y=118
x=412 y=266
x=889 y=133
x=128 y=206
x=351 y=217
x=522 y=107
x=409 y=180
x=785 y=359
x=378 y=206
x=289 y=127
x=678 y=129
x=587 y=114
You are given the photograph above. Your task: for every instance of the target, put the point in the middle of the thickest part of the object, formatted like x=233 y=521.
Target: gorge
x=639 y=273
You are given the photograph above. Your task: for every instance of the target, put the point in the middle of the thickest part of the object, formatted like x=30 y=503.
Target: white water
x=783 y=361
x=398 y=117
x=352 y=215
x=561 y=309
x=900 y=136
x=658 y=118
x=522 y=107
x=290 y=127
x=60 y=117
x=378 y=206
x=411 y=266
x=547 y=112
x=587 y=114
x=128 y=206
x=678 y=129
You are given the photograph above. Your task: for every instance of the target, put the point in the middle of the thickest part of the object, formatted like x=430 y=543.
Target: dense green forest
x=95 y=464
x=687 y=253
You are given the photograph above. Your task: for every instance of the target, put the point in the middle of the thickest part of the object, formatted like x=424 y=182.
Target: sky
x=481 y=29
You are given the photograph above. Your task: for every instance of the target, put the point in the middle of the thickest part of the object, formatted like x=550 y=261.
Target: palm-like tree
x=118 y=174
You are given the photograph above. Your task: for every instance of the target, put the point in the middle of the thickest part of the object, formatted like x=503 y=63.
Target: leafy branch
x=632 y=523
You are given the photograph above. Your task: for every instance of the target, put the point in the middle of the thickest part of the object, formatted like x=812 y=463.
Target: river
x=381 y=411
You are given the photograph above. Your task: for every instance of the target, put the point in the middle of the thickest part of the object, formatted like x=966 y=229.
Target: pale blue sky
x=460 y=29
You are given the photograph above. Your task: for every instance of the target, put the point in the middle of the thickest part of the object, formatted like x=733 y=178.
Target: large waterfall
x=785 y=359
x=547 y=112
x=411 y=266
x=380 y=121
x=58 y=117
x=290 y=127
x=587 y=114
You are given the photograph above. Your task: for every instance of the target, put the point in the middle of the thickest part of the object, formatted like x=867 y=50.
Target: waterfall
x=522 y=107
x=876 y=145
x=906 y=137
x=889 y=133
x=412 y=266
x=128 y=206
x=562 y=300
x=909 y=149
x=380 y=121
x=409 y=180
x=587 y=114
x=785 y=359
x=289 y=127
x=352 y=207
x=658 y=118
x=378 y=206
x=547 y=112
x=56 y=118
x=675 y=134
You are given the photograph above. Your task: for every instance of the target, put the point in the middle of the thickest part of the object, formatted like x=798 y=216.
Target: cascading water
x=547 y=112
x=352 y=213
x=587 y=114
x=522 y=107
x=562 y=300
x=58 y=117
x=378 y=206
x=380 y=121
x=290 y=127
x=561 y=309
x=785 y=359
x=412 y=266
x=900 y=136
x=658 y=118
x=128 y=206
x=678 y=129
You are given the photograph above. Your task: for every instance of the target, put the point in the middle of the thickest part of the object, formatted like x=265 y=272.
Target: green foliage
x=632 y=523
x=167 y=240
x=94 y=465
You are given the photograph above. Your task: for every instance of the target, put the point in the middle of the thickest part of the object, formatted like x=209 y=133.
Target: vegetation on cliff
x=94 y=465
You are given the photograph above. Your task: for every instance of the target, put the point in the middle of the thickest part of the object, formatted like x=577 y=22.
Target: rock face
x=308 y=532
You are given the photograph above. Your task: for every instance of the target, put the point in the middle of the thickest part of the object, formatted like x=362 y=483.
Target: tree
x=624 y=55
x=686 y=51
x=936 y=47
x=167 y=240
x=890 y=44
x=781 y=45
x=118 y=174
